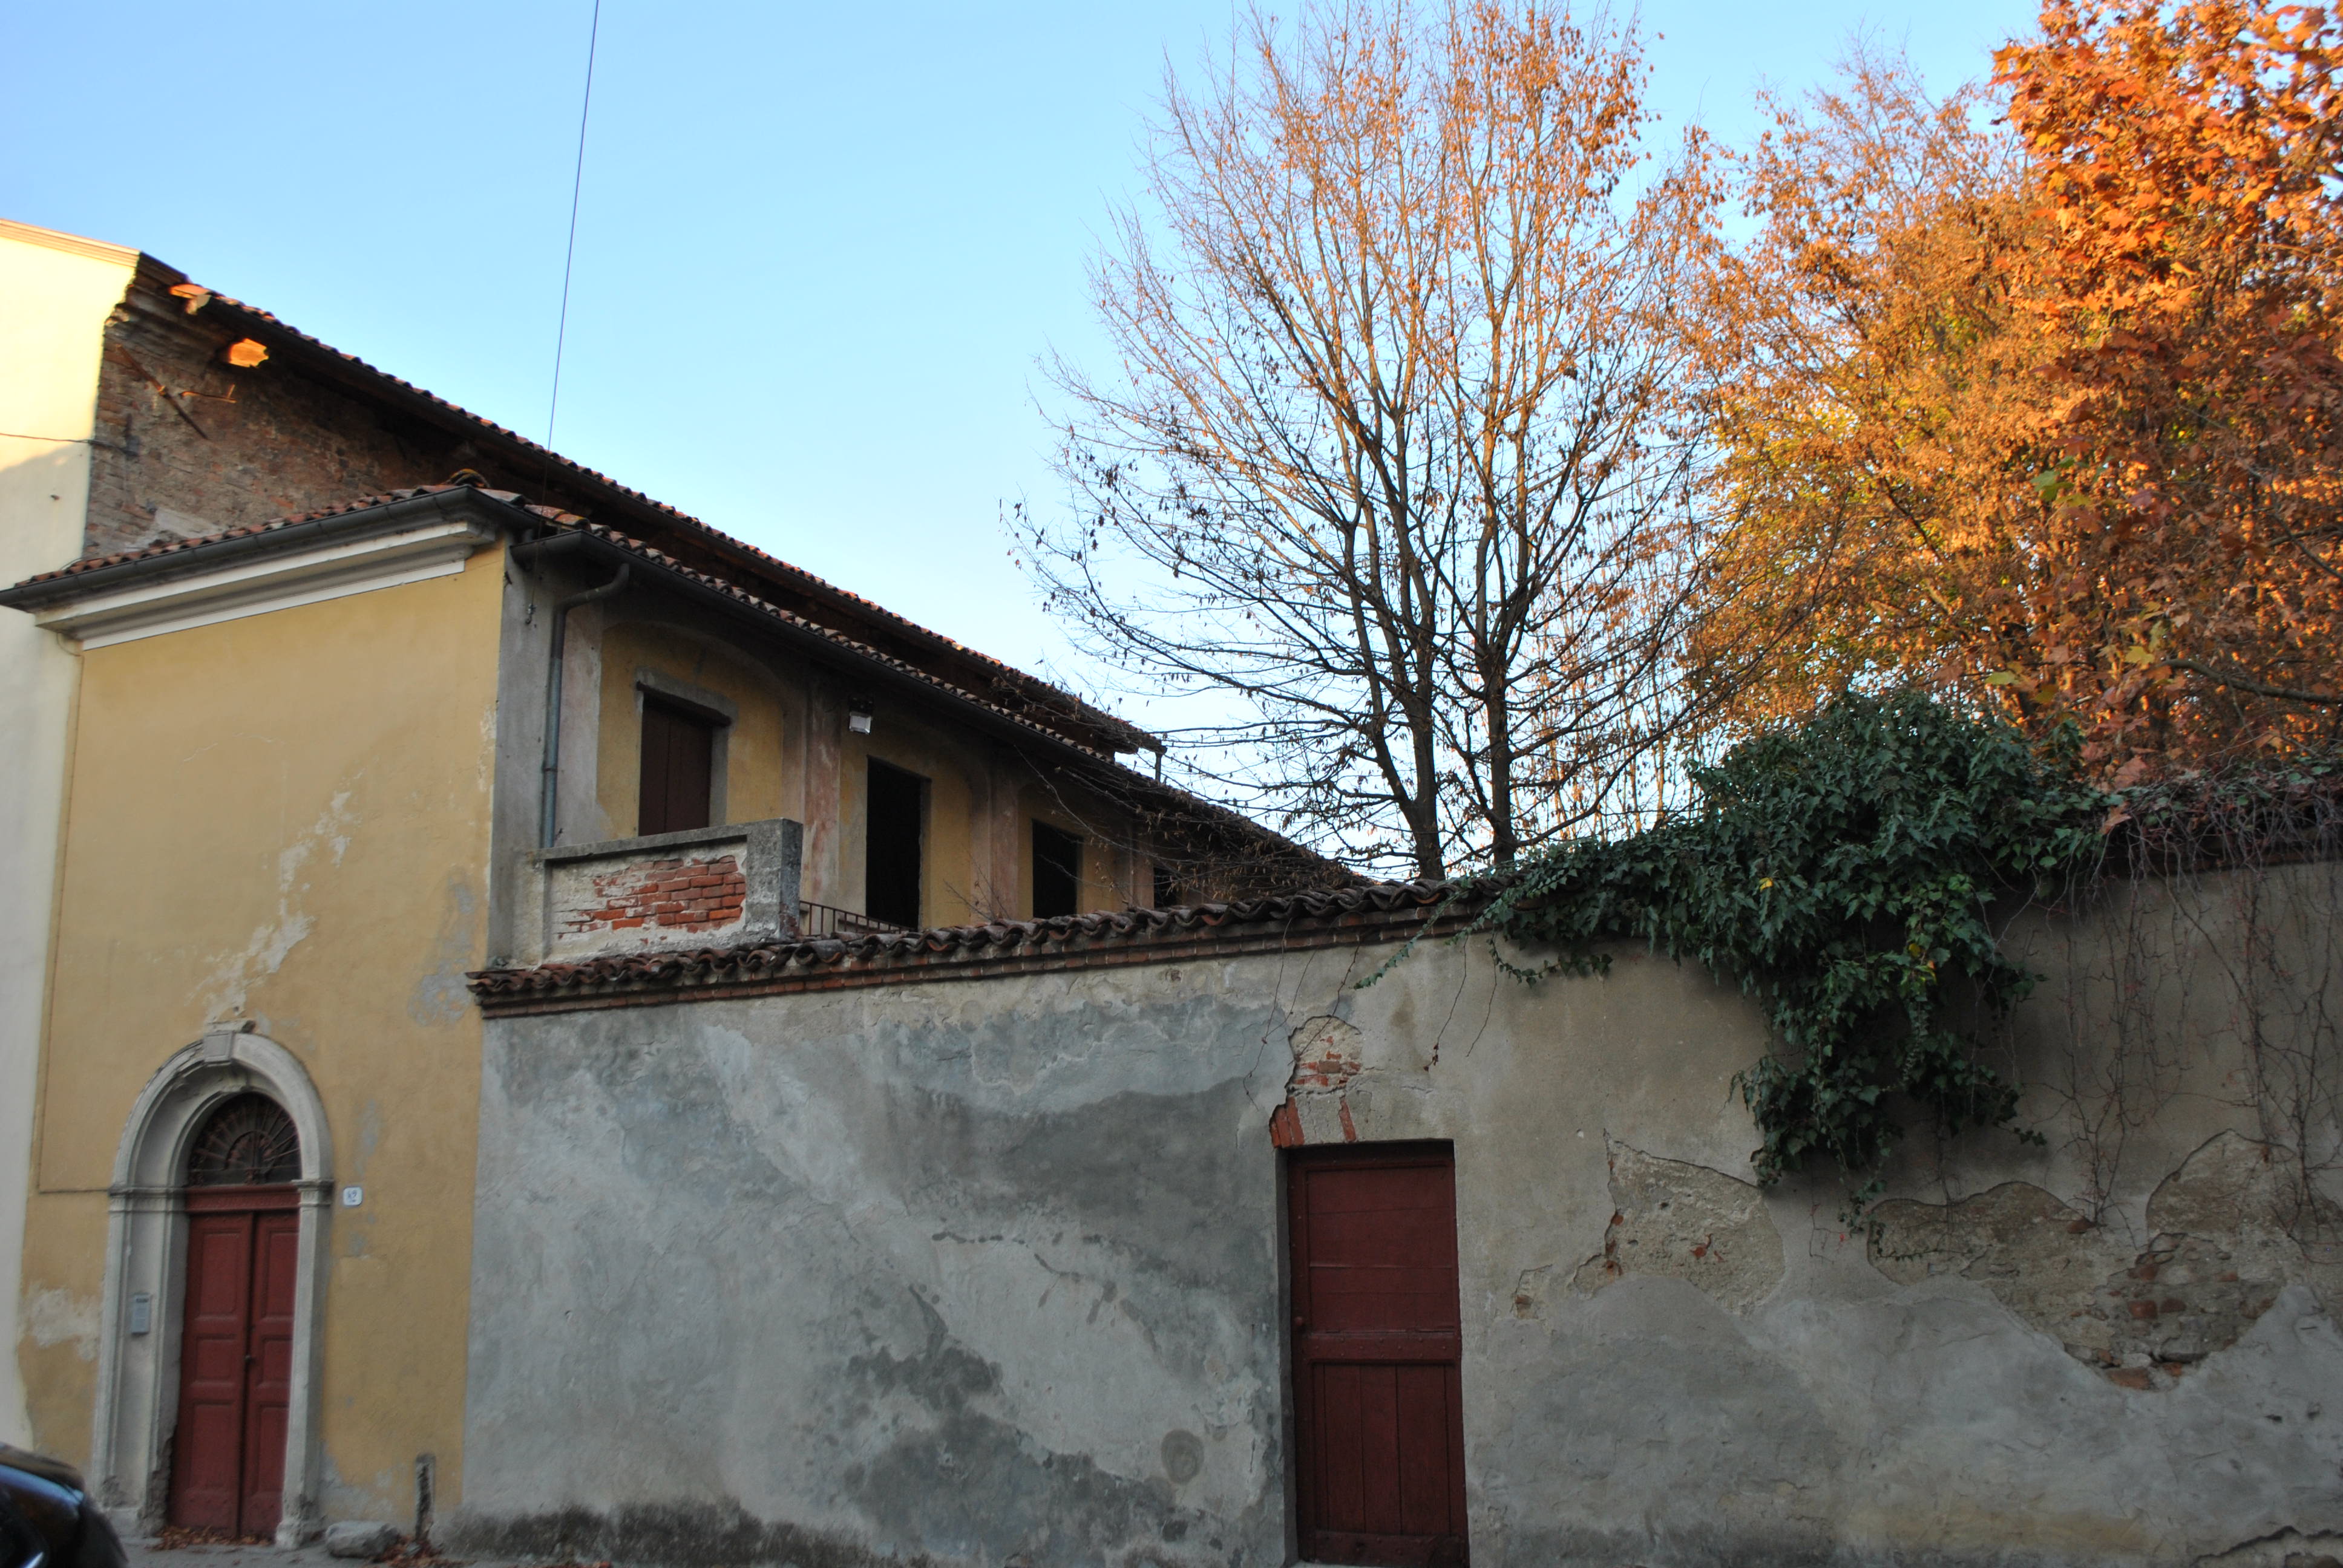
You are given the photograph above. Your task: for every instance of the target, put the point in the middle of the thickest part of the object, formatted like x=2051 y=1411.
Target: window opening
x=678 y=768
x=247 y=1142
x=1057 y=871
x=1166 y=886
x=894 y=825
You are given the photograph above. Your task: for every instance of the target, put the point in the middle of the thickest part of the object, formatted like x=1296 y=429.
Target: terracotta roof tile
x=88 y=564
x=1399 y=906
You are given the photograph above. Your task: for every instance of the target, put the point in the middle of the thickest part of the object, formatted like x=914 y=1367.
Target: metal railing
x=825 y=920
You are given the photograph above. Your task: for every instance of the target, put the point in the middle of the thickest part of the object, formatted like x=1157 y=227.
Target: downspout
x=549 y=810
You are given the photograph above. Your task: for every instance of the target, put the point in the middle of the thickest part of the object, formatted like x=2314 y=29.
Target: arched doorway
x=236 y=1342
x=221 y=1183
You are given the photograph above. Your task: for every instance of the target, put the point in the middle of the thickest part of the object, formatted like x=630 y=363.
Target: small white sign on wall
x=353 y=1196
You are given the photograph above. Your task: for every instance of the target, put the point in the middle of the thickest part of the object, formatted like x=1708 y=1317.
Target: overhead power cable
x=569 y=256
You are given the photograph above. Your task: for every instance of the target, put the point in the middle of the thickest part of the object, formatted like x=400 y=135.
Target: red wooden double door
x=236 y=1360
x=1377 y=1344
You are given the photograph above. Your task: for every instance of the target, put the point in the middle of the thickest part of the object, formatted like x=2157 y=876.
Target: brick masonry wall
x=189 y=444
x=192 y=445
x=679 y=895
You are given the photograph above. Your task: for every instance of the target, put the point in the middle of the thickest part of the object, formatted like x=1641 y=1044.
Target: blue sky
x=820 y=246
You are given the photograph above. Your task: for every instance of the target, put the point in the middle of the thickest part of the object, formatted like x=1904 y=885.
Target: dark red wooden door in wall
x=236 y=1360
x=1376 y=1348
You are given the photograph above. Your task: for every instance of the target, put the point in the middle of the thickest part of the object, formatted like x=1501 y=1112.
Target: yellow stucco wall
x=977 y=857
x=1107 y=882
x=952 y=886
x=756 y=767
x=284 y=819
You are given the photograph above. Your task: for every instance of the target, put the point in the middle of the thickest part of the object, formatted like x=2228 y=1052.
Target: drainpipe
x=549 y=810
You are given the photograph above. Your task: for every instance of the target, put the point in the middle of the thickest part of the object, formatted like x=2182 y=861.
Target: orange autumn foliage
x=2050 y=415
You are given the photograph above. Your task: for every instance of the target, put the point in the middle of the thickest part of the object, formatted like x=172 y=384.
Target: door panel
x=236 y=1361
x=208 y=1448
x=269 y=1396
x=1377 y=1350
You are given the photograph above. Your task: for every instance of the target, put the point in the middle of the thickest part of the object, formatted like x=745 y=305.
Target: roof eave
x=47 y=592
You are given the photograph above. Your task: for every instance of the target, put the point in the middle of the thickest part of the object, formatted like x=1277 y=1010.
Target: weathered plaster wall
x=759 y=764
x=952 y=1267
x=883 y=1270
x=284 y=819
x=789 y=752
x=55 y=291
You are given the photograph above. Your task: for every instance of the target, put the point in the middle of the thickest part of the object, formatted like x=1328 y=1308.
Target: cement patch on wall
x=2232 y=1227
x=1679 y=1220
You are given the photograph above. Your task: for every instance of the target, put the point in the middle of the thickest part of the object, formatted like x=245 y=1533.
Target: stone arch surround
x=145 y=1251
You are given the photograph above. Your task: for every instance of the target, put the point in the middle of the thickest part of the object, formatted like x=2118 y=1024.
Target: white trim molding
x=146 y=1254
x=72 y=243
x=276 y=581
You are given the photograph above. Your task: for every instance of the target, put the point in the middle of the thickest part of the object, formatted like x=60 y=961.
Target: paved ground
x=147 y=1555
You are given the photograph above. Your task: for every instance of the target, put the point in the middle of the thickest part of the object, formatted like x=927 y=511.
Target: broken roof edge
x=317 y=355
x=1376 y=911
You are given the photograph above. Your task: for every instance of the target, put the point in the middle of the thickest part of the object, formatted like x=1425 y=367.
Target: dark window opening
x=1166 y=886
x=678 y=768
x=1057 y=871
x=894 y=825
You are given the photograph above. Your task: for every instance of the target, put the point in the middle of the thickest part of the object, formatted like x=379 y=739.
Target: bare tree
x=1400 y=460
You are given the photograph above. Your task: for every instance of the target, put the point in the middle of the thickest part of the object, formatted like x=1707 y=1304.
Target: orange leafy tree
x=2048 y=414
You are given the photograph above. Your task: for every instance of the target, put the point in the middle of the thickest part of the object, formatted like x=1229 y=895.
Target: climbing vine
x=1843 y=872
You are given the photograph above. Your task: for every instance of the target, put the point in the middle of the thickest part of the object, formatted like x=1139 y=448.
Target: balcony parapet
x=662 y=892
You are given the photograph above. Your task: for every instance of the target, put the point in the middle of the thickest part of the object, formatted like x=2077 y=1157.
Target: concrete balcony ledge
x=663 y=893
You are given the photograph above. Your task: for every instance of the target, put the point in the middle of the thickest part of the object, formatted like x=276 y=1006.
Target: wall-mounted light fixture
x=858 y=715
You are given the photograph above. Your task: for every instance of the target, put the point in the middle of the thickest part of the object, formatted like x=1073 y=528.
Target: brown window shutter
x=678 y=769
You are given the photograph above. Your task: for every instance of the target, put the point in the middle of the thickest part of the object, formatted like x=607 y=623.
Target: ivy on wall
x=1843 y=873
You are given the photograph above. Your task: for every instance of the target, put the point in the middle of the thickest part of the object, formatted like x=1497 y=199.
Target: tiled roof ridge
x=751 y=961
x=198 y=297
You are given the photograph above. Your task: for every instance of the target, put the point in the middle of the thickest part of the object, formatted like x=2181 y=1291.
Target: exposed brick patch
x=1317 y=1108
x=680 y=894
x=186 y=440
x=1325 y=1057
